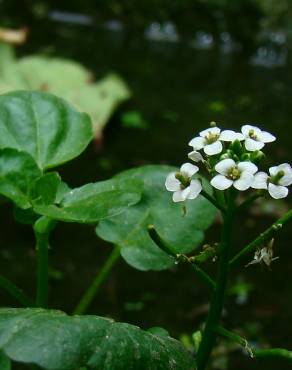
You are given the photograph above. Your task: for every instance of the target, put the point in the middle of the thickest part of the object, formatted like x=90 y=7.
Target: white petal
x=244 y=182
x=286 y=180
x=181 y=195
x=274 y=170
x=247 y=166
x=253 y=145
x=266 y=137
x=281 y=167
x=214 y=148
x=246 y=128
x=277 y=191
x=260 y=181
x=229 y=135
x=195 y=189
x=197 y=143
x=221 y=182
x=189 y=169
x=224 y=166
x=171 y=182
x=211 y=130
x=195 y=156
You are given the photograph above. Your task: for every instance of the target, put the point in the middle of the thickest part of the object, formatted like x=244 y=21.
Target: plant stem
x=273 y=352
x=15 y=292
x=163 y=245
x=214 y=316
x=255 y=352
x=213 y=201
x=101 y=276
x=262 y=238
x=42 y=229
x=204 y=276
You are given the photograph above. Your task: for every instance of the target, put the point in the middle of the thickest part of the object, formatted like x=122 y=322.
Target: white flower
x=255 y=138
x=276 y=184
x=240 y=175
x=266 y=255
x=181 y=183
x=195 y=156
x=210 y=140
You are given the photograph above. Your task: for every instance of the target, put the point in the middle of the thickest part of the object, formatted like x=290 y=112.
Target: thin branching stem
x=213 y=201
x=252 y=351
x=97 y=282
x=16 y=292
x=262 y=238
x=163 y=245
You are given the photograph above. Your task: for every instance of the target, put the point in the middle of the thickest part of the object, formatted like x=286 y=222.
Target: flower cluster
x=232 y=159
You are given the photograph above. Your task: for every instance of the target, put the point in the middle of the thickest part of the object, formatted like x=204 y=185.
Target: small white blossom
x=182 y=185
x=240 y=175
x=276 y=184
x=195 y=156
x=255 y=138
x=210 y=140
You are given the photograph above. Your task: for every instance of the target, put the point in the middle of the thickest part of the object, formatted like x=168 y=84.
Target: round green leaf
x=182 y=232
x=45 y=126
x=55 y=341
x=18 y=172
x=93 y=202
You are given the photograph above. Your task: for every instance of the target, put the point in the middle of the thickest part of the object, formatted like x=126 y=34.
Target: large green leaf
x=18 y=173
x=129 y=231
x=55 y=341
x=93 y=202
x=45 y=126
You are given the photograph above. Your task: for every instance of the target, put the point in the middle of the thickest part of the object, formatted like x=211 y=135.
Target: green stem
x=273 y=352
x=213 y=201
x=165 y=247
x=203 y=276
x=15 y=292
x=93 y=289
x=42 y=229
x=237 y=339
x=214 y=316
x=255 y=352
x=262 y=238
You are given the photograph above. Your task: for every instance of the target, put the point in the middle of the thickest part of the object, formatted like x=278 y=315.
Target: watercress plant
x=151 y=231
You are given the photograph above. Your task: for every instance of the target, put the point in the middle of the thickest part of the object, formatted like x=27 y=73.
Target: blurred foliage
x=243 y=19
x=66 y=79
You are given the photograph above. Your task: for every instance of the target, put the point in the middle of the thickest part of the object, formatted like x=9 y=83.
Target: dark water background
x=178 y=90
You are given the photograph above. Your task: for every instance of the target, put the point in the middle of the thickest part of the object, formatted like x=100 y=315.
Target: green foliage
x=156 y=207
x=43 y=131
x=18 y=171
x=93 y=202
x=44 y=126
x=66 y=79
x=55 y=341
x=4 y=362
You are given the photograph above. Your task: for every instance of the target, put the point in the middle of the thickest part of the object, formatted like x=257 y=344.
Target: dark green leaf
x=93 y=202
x=156 y=330
x=45 y=126
x=129 y=230
x=25 y=216
x=5 y=363
x=46 y=188
x=18 y=171
x=55 y=341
